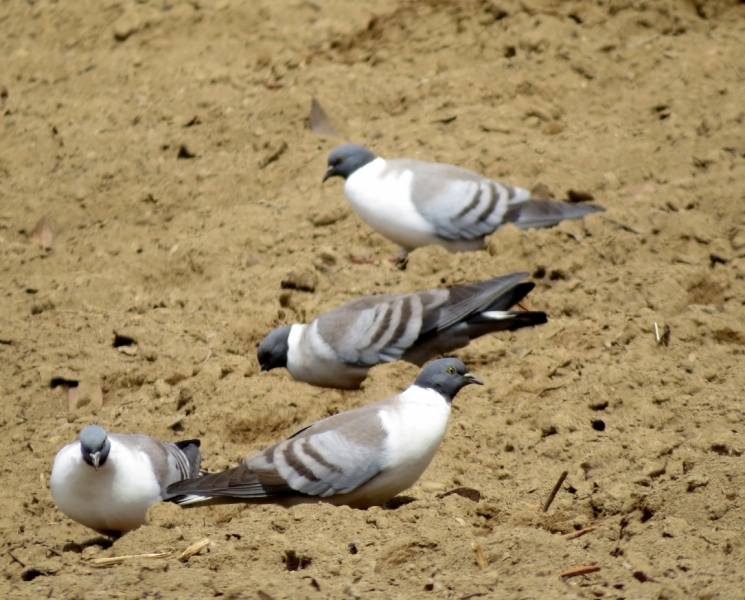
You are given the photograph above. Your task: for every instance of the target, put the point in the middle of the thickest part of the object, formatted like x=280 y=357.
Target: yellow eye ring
x=451 y=370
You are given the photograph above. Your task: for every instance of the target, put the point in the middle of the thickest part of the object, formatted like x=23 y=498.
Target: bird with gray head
x=360 y=458
x=415 y=203
x=339 y=347
x=109 y=481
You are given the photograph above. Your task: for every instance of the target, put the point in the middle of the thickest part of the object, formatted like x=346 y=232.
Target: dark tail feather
x=512 y=320
x=473 y=298
x=239 y=484
x=482 y=324
x=509 y=299
x=460 y=335
x=193 y=501
x=190 y=448
x=534 y=214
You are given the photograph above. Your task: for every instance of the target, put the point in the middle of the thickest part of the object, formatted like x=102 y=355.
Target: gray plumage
x=340 y=346
x=416 y=203
x=109 y=481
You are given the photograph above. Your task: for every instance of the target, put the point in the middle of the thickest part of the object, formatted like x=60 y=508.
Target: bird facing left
x=107 y=482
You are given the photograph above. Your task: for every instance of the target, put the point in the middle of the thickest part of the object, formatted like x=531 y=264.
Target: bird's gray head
x=446 y=376
x=345 y=160
x=95 y=446
x=273 y=350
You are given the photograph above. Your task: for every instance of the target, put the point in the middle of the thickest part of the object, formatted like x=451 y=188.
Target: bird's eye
x=451 y=370
x=340 y=160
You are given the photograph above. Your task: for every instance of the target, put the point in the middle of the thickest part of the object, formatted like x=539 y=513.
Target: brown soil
x=177 y=237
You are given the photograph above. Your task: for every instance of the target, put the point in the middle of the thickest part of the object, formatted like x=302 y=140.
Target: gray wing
x=463 y=205
x=460 y=204
x=499 y=293
x=375 y=329
x=171 y=462
x=186 y=457
x=333 y=456
x=379 y=329
x=533 y=214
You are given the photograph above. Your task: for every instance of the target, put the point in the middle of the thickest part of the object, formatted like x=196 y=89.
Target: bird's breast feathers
x=311 y=359
x=383 y=201
x=415 y=428
x=116 y=497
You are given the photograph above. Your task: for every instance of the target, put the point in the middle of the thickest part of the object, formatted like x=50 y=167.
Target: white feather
x=116 y=497
x=311 y=359
x=384 y=203
x=497 y=315
x=415 y=426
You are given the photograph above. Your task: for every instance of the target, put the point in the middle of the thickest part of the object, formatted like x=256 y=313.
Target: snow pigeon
x=109 y=481
x=360 y=458
x=341 y=346
x=415 y=203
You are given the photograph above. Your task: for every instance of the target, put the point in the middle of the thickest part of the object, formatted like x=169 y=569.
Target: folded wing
x=460 y=204
x=463 y=205
x=333 y=456
x=376 y=329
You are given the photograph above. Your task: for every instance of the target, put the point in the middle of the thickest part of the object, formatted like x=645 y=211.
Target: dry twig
x=579 y=533
x=555 y=491
x=662 y=339
x=116 y=560
x=623 y=226
x=193 y=550
x=16 y=559
x=480 y=557
x=577 y=571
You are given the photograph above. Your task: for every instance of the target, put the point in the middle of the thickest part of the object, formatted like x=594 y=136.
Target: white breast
x=114 y=498
x=311 y=360
x=415 y=428
x=384 y=203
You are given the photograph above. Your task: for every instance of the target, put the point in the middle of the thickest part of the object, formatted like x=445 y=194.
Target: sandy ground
x=166 y=143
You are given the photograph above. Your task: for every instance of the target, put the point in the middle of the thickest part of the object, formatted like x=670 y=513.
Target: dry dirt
x=166 y=143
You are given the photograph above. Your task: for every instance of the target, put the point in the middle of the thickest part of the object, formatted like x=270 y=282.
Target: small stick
x=360 y=261
x=15 y=558
x=480 y=558
x=49 y=547
x=555 y=491
x=193 y=550
x=576 y=571
x=624 y=226
x=579 y=533
x=657 y=334
x=115 y=560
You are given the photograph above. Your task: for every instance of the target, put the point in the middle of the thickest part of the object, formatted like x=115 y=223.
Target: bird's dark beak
x=329 y=173
x=95 y=459
x=472 y=379
x=264 y=367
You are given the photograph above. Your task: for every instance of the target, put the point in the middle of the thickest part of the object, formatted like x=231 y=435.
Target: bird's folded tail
x=534 y=214
x=506 y=320
x=239 y=484
x=190 y=449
